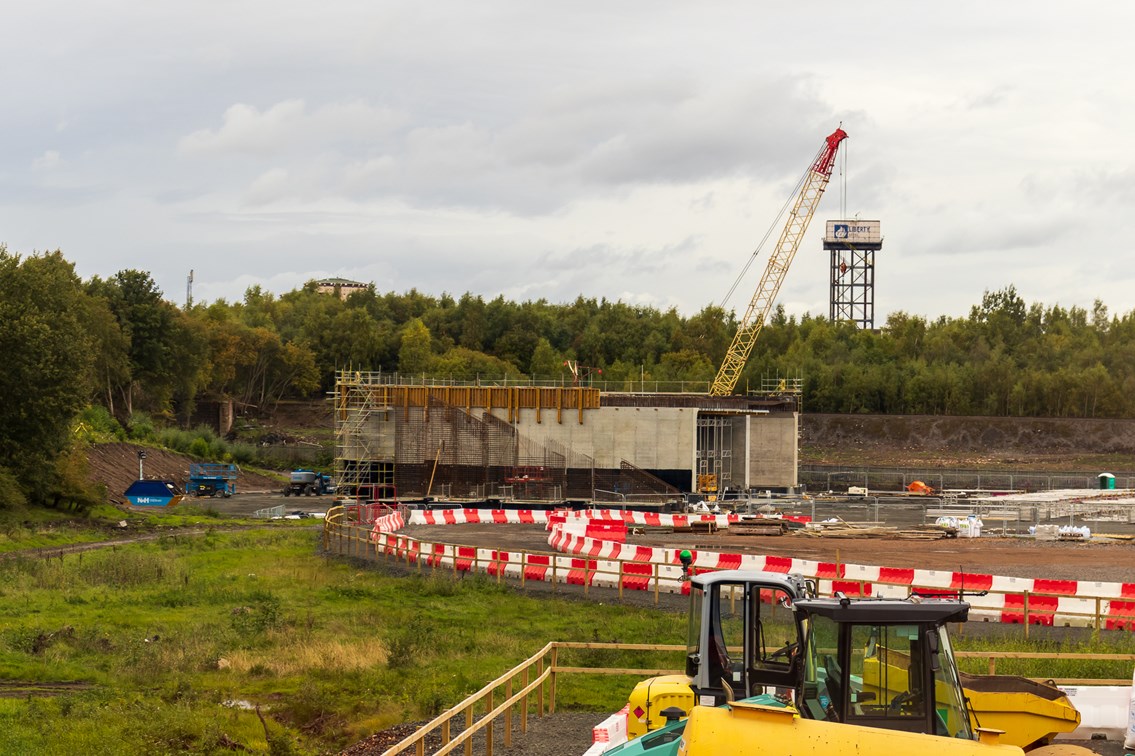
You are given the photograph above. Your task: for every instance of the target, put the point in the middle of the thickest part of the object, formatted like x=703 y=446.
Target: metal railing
x=829 y=478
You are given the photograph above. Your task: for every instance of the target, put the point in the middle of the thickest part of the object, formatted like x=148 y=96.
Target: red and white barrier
x=609 y=733
x=388 y=524
x=594 y=547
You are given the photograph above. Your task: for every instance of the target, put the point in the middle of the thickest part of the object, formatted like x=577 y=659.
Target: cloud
x=607 y=138
x=48 y=161
x=290 y=127
x=268 y=187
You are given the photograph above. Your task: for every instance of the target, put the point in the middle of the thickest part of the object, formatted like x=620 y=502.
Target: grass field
x=175 y=639
x=167 y=646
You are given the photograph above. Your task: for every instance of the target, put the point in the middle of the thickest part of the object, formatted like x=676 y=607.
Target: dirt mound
x=116 y=467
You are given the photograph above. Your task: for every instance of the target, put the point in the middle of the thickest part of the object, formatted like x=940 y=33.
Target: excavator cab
x=744 y=637
x=883 y=663
x=744 y=640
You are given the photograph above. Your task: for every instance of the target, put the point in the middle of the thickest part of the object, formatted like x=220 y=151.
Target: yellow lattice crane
x=812 y=188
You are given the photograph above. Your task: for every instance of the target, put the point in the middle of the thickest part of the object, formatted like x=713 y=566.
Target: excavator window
x=887 y=662
x=952 y=716
x=821 y=671
x=750 y=641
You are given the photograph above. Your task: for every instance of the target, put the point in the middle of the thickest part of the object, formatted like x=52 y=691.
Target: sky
x=637 y=151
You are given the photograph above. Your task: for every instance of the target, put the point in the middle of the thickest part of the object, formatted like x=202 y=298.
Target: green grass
x=1051 y=668
x=168 y=634
x=167 y=631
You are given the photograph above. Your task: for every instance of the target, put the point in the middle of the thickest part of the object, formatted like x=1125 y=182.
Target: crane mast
x=815 y=181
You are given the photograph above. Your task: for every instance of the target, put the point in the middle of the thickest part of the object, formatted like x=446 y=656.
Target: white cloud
x=48 y=161
x=290 y=126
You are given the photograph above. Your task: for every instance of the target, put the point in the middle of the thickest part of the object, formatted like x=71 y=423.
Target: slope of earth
x=1065 y=444
x=115 y=466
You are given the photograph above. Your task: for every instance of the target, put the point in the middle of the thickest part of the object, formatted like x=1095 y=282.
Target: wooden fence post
x=552 y=690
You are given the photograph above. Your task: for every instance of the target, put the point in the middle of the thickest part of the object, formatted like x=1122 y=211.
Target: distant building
x=340 y=286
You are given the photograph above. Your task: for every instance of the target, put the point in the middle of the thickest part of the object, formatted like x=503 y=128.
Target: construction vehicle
x=303 y=482
x=853 y=675
x=212 y=479
x=812 y=187
x=707 y=485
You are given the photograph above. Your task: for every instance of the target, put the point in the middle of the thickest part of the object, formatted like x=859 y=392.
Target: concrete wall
x=773 y=450
x=648 y=437
x=764 y=448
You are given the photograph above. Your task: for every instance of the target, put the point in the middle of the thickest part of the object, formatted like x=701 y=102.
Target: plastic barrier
x=1059 y=602
x=609 y=733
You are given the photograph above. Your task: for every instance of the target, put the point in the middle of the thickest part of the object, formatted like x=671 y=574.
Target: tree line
x=118 y=343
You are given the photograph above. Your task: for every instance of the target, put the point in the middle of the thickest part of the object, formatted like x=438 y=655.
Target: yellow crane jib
x=812 y=189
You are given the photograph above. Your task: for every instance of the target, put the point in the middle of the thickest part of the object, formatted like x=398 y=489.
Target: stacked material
x=843 y=529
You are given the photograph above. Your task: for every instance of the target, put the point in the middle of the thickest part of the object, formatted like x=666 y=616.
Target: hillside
x=115 y=466
x=949 y=441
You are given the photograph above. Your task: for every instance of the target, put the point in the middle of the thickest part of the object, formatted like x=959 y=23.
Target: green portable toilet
x=1107 y=482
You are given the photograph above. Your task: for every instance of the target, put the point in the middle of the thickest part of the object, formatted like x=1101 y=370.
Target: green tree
x=48 y=363
x=546 y=363
x=150 y=324
x=416 y=351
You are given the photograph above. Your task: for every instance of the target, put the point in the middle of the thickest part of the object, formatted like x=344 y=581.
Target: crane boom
x=813 y=187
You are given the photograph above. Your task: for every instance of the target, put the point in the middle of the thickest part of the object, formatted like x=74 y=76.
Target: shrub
x=11 y=495
x=262 y=614
x=199 y=448
x=95 y=423
x=141 y=427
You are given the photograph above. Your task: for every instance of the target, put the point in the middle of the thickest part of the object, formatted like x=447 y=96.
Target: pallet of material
x=759 y=528
x=697 y=526
x=844 y=530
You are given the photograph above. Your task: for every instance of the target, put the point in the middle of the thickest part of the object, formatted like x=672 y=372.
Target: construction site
x=562 y=443
x=867 y=664
x=541 y=443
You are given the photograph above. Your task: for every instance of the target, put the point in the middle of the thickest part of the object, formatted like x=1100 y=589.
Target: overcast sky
x=628 y=150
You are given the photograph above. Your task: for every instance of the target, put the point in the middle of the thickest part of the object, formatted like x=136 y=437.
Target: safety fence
x=269 y=513
x=500 y=708
x=835 y=478
x=583 y=563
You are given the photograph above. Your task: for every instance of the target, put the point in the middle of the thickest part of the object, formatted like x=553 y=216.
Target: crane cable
x=776 y=224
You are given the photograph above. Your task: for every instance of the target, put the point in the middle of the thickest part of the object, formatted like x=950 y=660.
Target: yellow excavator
x=853 y=676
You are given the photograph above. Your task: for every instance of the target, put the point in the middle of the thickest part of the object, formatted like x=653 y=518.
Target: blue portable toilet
x=153 y=493
x=1107 y=481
